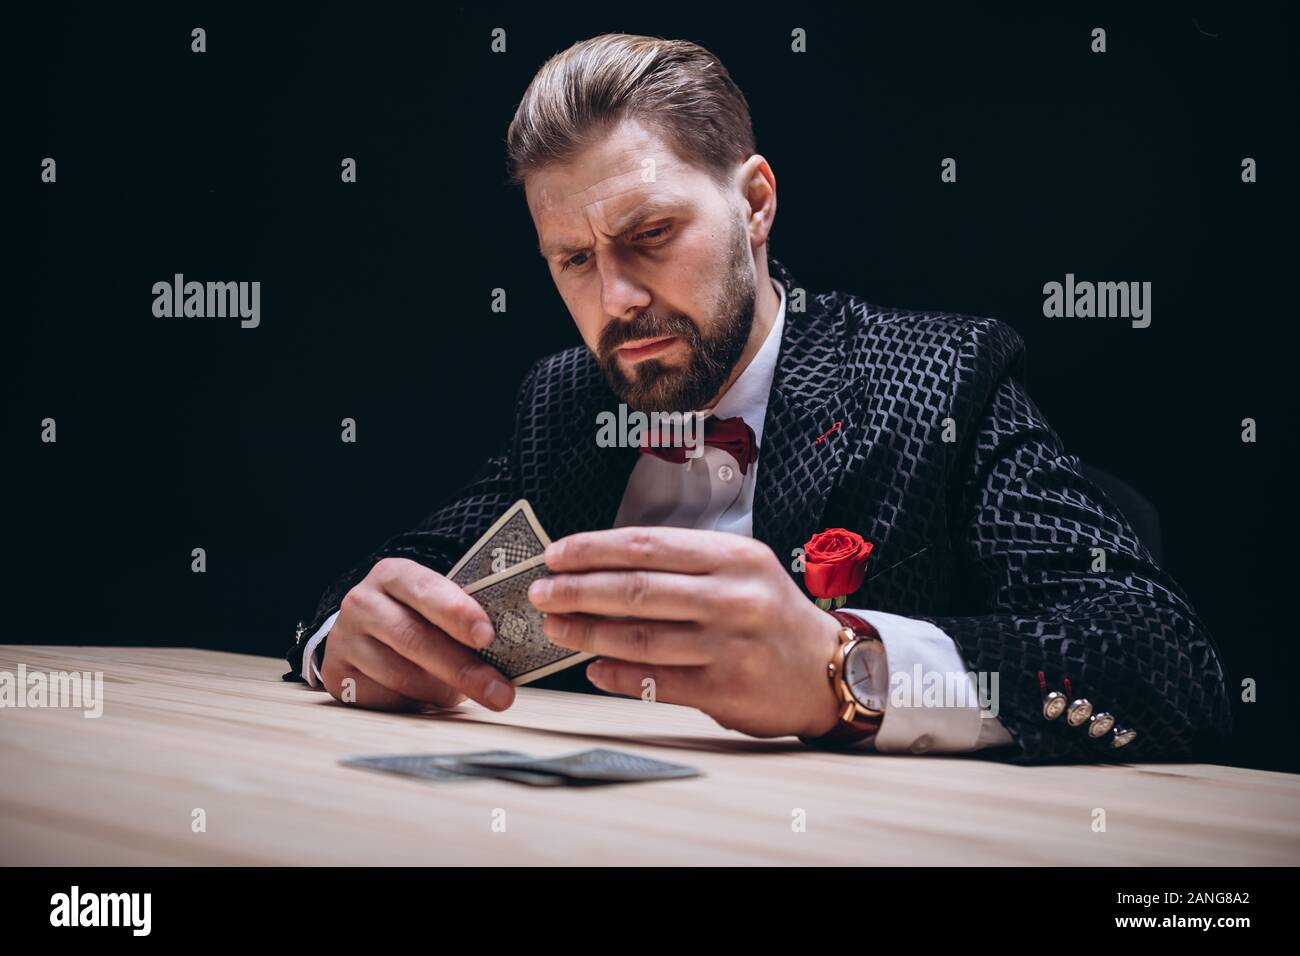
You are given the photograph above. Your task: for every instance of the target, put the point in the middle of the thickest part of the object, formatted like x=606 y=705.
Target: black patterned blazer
x=989 y=535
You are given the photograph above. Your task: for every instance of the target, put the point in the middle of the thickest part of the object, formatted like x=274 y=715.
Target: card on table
x=587 y=766
x=447 y=768
x=425 y=766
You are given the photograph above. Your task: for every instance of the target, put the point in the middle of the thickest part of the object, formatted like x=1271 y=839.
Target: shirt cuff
x=934 y=703
x=310 y=667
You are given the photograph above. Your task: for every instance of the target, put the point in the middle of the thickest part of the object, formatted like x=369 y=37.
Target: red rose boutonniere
x=835 y=562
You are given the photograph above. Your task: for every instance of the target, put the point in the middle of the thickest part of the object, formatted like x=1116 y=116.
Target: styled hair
x=676 y=87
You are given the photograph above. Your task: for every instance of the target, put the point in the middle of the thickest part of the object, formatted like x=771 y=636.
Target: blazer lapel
x=811 y=391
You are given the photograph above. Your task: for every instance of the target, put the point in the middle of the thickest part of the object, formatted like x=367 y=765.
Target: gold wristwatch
x=859 y=674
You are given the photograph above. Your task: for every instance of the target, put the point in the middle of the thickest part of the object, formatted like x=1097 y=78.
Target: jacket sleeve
x=442 y=537
x=1053 y=579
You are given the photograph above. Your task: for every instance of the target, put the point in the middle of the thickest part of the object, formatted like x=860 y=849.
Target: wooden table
x=187 y=729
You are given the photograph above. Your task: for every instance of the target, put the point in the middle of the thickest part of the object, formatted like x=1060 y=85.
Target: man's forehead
x=633 y=162
x=565 y=217
x=634 y=178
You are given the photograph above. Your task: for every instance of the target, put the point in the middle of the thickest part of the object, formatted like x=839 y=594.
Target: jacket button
x=1053 y=705
x=1100 y=724
x=1122 y=738
x=1079 y=712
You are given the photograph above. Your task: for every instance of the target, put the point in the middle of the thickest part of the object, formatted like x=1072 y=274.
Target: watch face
x=867 y=675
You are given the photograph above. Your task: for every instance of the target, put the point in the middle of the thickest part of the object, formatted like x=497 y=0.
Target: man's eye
x=658 y=232
x=570 y=261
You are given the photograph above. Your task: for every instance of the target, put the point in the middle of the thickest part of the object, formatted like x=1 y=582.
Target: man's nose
x=621 y=294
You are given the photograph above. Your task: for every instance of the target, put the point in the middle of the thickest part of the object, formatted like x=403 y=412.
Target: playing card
x=513 y=538
x=427 y=766
x=588 y=766
x=520 y=651
x=450 y=768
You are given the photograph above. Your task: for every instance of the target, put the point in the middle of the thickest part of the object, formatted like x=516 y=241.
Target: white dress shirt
x=709 y=492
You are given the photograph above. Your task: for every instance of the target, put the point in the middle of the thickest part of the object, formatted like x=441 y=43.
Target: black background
x=183 y=433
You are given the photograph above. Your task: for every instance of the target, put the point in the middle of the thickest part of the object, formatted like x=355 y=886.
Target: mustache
x=647 y=325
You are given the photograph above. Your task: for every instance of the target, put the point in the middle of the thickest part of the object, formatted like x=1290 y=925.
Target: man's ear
x=757 y=184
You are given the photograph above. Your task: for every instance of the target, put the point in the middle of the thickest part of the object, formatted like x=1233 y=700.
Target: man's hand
x=405 y=637
x=714 y=621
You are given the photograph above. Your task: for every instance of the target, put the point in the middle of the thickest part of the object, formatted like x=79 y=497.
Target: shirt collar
x=748 y=394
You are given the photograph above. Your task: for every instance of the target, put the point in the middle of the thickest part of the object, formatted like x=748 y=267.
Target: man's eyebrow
x=642 y=211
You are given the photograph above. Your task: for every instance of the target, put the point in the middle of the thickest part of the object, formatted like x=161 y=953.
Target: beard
x=652 y=385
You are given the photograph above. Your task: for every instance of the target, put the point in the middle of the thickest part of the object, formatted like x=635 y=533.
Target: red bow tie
x=732 y=435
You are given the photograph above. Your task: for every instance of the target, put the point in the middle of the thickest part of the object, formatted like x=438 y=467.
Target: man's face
x=654 y=262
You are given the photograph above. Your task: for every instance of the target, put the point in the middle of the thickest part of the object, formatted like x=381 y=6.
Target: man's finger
x=657 y=595
x=668 y=685
x=684 y=550
x=438 y=601
x=391 y=670
x=429 y=647
x=642 y=641
x=348 y=685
